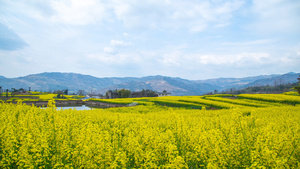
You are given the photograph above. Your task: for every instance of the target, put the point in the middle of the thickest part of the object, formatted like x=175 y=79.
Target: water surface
x=82 y=107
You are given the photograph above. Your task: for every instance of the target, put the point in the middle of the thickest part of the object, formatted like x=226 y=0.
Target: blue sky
x=191 y=39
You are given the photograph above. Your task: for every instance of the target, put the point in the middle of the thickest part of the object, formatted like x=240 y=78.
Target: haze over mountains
x=177 y=86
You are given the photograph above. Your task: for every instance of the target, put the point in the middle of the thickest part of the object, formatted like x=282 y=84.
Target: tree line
x=265 y=89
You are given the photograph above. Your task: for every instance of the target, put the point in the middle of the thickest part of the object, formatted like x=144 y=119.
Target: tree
x=66 y=92
x=298 y=87
x=58 y=92
x=81 y=92
x=144 y=92
x=91 y=91
x=215 y=91
x=13 y=90
x=123 y=93
x=151 y=93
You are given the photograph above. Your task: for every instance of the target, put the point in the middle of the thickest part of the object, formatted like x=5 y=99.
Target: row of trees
x=264 y=89
x=298 y=87
x=13 y=91
x=65 y=92
x=124 y=93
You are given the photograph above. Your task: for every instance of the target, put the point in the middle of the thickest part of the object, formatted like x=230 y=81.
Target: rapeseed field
x=242 y=133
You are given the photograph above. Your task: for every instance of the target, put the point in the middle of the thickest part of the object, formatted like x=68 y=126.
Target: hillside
x=227 y=83
x=275 y=80
x=177 y=86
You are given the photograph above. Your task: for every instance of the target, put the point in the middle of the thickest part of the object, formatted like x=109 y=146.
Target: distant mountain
x=275 y=80
x=177 y=86
x=71 y=81
x=74 y=82
x=227 y=83
x=7 y=83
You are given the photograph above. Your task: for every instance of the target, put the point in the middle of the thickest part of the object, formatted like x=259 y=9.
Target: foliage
x=298 y=87
x=66 y=92
x=81 y=92
x=149 y=93
x=264 y=89
x=123 y=93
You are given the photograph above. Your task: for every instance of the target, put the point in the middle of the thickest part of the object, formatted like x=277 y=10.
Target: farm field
x=37 y=96
x=212 y=131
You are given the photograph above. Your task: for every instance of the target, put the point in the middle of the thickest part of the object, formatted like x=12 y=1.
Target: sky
x=191 y=39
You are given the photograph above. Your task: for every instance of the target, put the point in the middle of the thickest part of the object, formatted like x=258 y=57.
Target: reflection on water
x=83 y=107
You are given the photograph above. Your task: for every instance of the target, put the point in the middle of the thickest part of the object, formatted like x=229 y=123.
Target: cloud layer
x=9 y=40
x=190 y=39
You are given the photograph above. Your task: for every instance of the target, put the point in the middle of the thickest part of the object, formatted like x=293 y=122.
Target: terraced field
x=213 y=131
x=214 y=101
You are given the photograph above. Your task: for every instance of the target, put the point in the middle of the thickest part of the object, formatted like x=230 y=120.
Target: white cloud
x=113 y=59
x=126 y=34
x=119 y=43
x=282 y=15
x=114 y=46
x=247 y=59
x=190 y=15
x=78 y=12
x=192 y=60
x=276 y=15
x=151 y=33
x=173 y=58
x=109 y=50
x=250 y=43
x=103 y=58
x=194 y=16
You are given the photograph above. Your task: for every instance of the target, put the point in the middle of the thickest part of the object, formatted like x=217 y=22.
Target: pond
x=82 y=107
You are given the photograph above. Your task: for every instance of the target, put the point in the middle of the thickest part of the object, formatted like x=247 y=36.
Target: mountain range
x=51 y=81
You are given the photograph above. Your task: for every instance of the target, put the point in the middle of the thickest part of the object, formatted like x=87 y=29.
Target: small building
x=96 y=96
x=164 y=93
